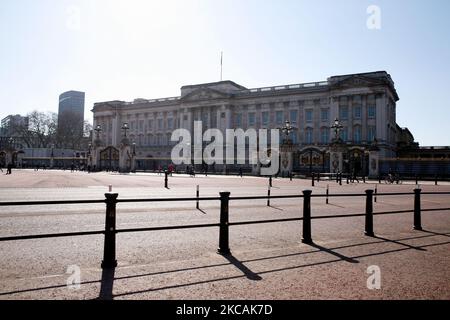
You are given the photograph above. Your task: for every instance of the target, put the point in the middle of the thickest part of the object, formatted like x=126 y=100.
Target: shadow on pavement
x=108 y=276
x=238 y=264
x=336 y=254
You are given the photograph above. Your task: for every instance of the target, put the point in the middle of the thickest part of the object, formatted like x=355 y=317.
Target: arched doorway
x=109 y=158
x=356 y=161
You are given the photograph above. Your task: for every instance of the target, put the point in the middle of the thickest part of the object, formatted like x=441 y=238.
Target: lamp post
x=287 y=129
x=125 y=128
x=97 y=130
x=337 y=129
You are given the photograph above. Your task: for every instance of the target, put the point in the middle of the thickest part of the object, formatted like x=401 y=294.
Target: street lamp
x=125 y=128
x=98 y=129
x=337 y=128
x=287 y=129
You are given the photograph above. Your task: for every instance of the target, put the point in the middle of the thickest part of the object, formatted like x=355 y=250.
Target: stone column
x=374 y=170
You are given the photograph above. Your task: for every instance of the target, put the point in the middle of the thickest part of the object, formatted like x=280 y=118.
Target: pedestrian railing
x=111 y=200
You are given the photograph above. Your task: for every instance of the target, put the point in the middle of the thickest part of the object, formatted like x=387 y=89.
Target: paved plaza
x=268 y=261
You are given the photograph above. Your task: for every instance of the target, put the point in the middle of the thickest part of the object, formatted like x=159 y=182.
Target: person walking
x=9 y=168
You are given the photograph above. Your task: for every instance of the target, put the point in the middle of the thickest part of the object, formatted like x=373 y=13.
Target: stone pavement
x=268 y=260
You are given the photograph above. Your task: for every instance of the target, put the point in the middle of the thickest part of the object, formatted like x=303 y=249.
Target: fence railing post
x=369 y=214
x=109 y=252
x=307 y=217
x=417 y=217
x=166 y=179
x=198 y=195
x=435 y=179
x=270 y=181
x=268 y=196
x=224 y=247
x=340 y=179
x=318 y=176
x=417 y=179
x=376 y=192
x=312 y=179
x=328 y=192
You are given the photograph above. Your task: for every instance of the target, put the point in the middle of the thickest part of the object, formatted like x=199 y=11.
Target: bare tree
x=41 y=130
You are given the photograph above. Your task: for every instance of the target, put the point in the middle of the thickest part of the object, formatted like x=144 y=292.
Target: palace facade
x=364 y=104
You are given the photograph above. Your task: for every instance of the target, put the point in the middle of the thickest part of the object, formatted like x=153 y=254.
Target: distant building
x=71 y=113
x=12 y=125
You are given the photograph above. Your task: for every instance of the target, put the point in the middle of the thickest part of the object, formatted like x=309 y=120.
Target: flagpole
x=221 y=64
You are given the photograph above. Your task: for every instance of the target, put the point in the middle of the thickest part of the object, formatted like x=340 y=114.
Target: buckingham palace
x=364 y=104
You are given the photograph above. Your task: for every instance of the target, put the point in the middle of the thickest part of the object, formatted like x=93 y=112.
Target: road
x=268 y=260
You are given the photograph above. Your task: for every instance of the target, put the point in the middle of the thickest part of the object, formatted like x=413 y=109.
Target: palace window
x=324 y=135
x=238 y=120
x=357 y=134
x=309 y=115
x=279 y=117
x=265 y=118
x=343 y=133
x=371 y=133
x=357 y=112
x=324 y=114
x=372 y=112
x=343 y=113
x=309 y=135
x=170 y=123
x=150 y=124
x=293 y=116
x=160 y=124
x=251 y=119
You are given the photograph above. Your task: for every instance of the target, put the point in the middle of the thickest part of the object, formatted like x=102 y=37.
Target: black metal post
x=270 y=181
x=369 y=214
x=364 y=178
x=307 y=217
x=318 y=177
x=347 y=179
x=268 y=195
x=312 y=179
x=417 y=180
x=417 y=217
x=290 y=176
x=198 y=195
x=379 y=178
x=326 y=201
x=435 y=180
x=337 y=177
x=166 y=179
x=340 y=179
x=376 y=191
x=224 y=216
x=109 y=252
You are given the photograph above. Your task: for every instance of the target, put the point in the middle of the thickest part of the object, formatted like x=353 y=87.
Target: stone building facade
x=365 y=105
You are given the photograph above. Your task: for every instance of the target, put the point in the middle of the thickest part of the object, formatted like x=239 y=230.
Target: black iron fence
x=111 y=199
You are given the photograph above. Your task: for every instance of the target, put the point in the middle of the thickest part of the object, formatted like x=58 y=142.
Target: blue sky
x=149 y=49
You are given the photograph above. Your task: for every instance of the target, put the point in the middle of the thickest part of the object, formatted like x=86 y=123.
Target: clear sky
x=126 y=49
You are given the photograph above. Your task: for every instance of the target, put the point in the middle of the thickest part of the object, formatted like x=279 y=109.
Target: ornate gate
x=109 y=158
x=311 y=160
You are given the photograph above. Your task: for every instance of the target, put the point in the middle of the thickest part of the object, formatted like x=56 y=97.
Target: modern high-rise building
x=71 y=112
